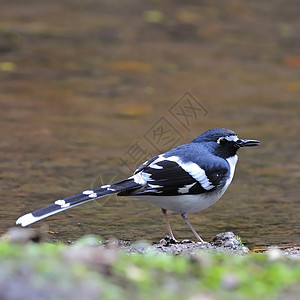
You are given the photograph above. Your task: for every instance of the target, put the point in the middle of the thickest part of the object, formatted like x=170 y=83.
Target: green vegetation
x=90 y=270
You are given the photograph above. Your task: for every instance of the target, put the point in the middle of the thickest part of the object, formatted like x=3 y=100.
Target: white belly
x=185 y=203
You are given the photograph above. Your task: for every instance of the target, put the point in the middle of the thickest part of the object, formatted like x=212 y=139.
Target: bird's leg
x=184 y=217
x=164 y=211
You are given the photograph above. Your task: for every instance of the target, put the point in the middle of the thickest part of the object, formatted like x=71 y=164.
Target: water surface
x=83 y=87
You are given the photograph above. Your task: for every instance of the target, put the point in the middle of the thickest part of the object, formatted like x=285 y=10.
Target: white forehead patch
x=229 y=138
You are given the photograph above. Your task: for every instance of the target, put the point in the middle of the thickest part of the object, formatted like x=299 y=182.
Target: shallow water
x=85 y=91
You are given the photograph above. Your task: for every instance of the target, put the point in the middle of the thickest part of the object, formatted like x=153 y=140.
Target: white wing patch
x=155 y=186
x=186 y=188
x=191 y=168
x=199 y=174
x=146 y=176
x=139 y=179
x=154 y=165
x=195 y=171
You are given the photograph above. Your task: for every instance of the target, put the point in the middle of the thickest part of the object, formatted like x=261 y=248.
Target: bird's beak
x=247 y=143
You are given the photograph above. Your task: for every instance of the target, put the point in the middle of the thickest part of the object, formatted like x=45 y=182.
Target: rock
x=223 y=242
x=22 y=235
x=229 y=241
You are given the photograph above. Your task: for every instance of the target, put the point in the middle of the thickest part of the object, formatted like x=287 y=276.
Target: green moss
x=93 y=272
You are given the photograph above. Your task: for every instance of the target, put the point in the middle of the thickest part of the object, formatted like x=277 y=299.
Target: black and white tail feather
x=69 y=202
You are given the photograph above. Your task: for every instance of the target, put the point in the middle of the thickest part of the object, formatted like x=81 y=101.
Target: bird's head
x=225 y=142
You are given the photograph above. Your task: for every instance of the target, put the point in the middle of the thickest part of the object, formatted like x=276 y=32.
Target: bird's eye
x=222 y=140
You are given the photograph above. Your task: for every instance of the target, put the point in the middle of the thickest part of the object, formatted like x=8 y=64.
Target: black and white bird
x=186 y=179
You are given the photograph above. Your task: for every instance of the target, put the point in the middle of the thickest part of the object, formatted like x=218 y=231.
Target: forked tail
x=85 y=196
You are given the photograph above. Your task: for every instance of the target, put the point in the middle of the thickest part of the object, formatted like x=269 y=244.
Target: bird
x=186 y=179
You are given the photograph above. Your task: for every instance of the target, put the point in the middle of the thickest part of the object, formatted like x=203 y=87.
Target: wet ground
x=90 y=89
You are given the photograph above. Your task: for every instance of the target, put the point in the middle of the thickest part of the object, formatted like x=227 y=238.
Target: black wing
x=172 y=177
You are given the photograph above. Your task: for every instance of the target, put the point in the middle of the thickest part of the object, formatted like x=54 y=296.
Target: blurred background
x=90 y=89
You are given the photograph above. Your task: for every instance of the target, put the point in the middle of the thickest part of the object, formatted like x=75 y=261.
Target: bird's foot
x=168 y=241
x=186 y=241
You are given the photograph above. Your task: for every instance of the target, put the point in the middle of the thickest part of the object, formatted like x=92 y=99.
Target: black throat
x=226 y=150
